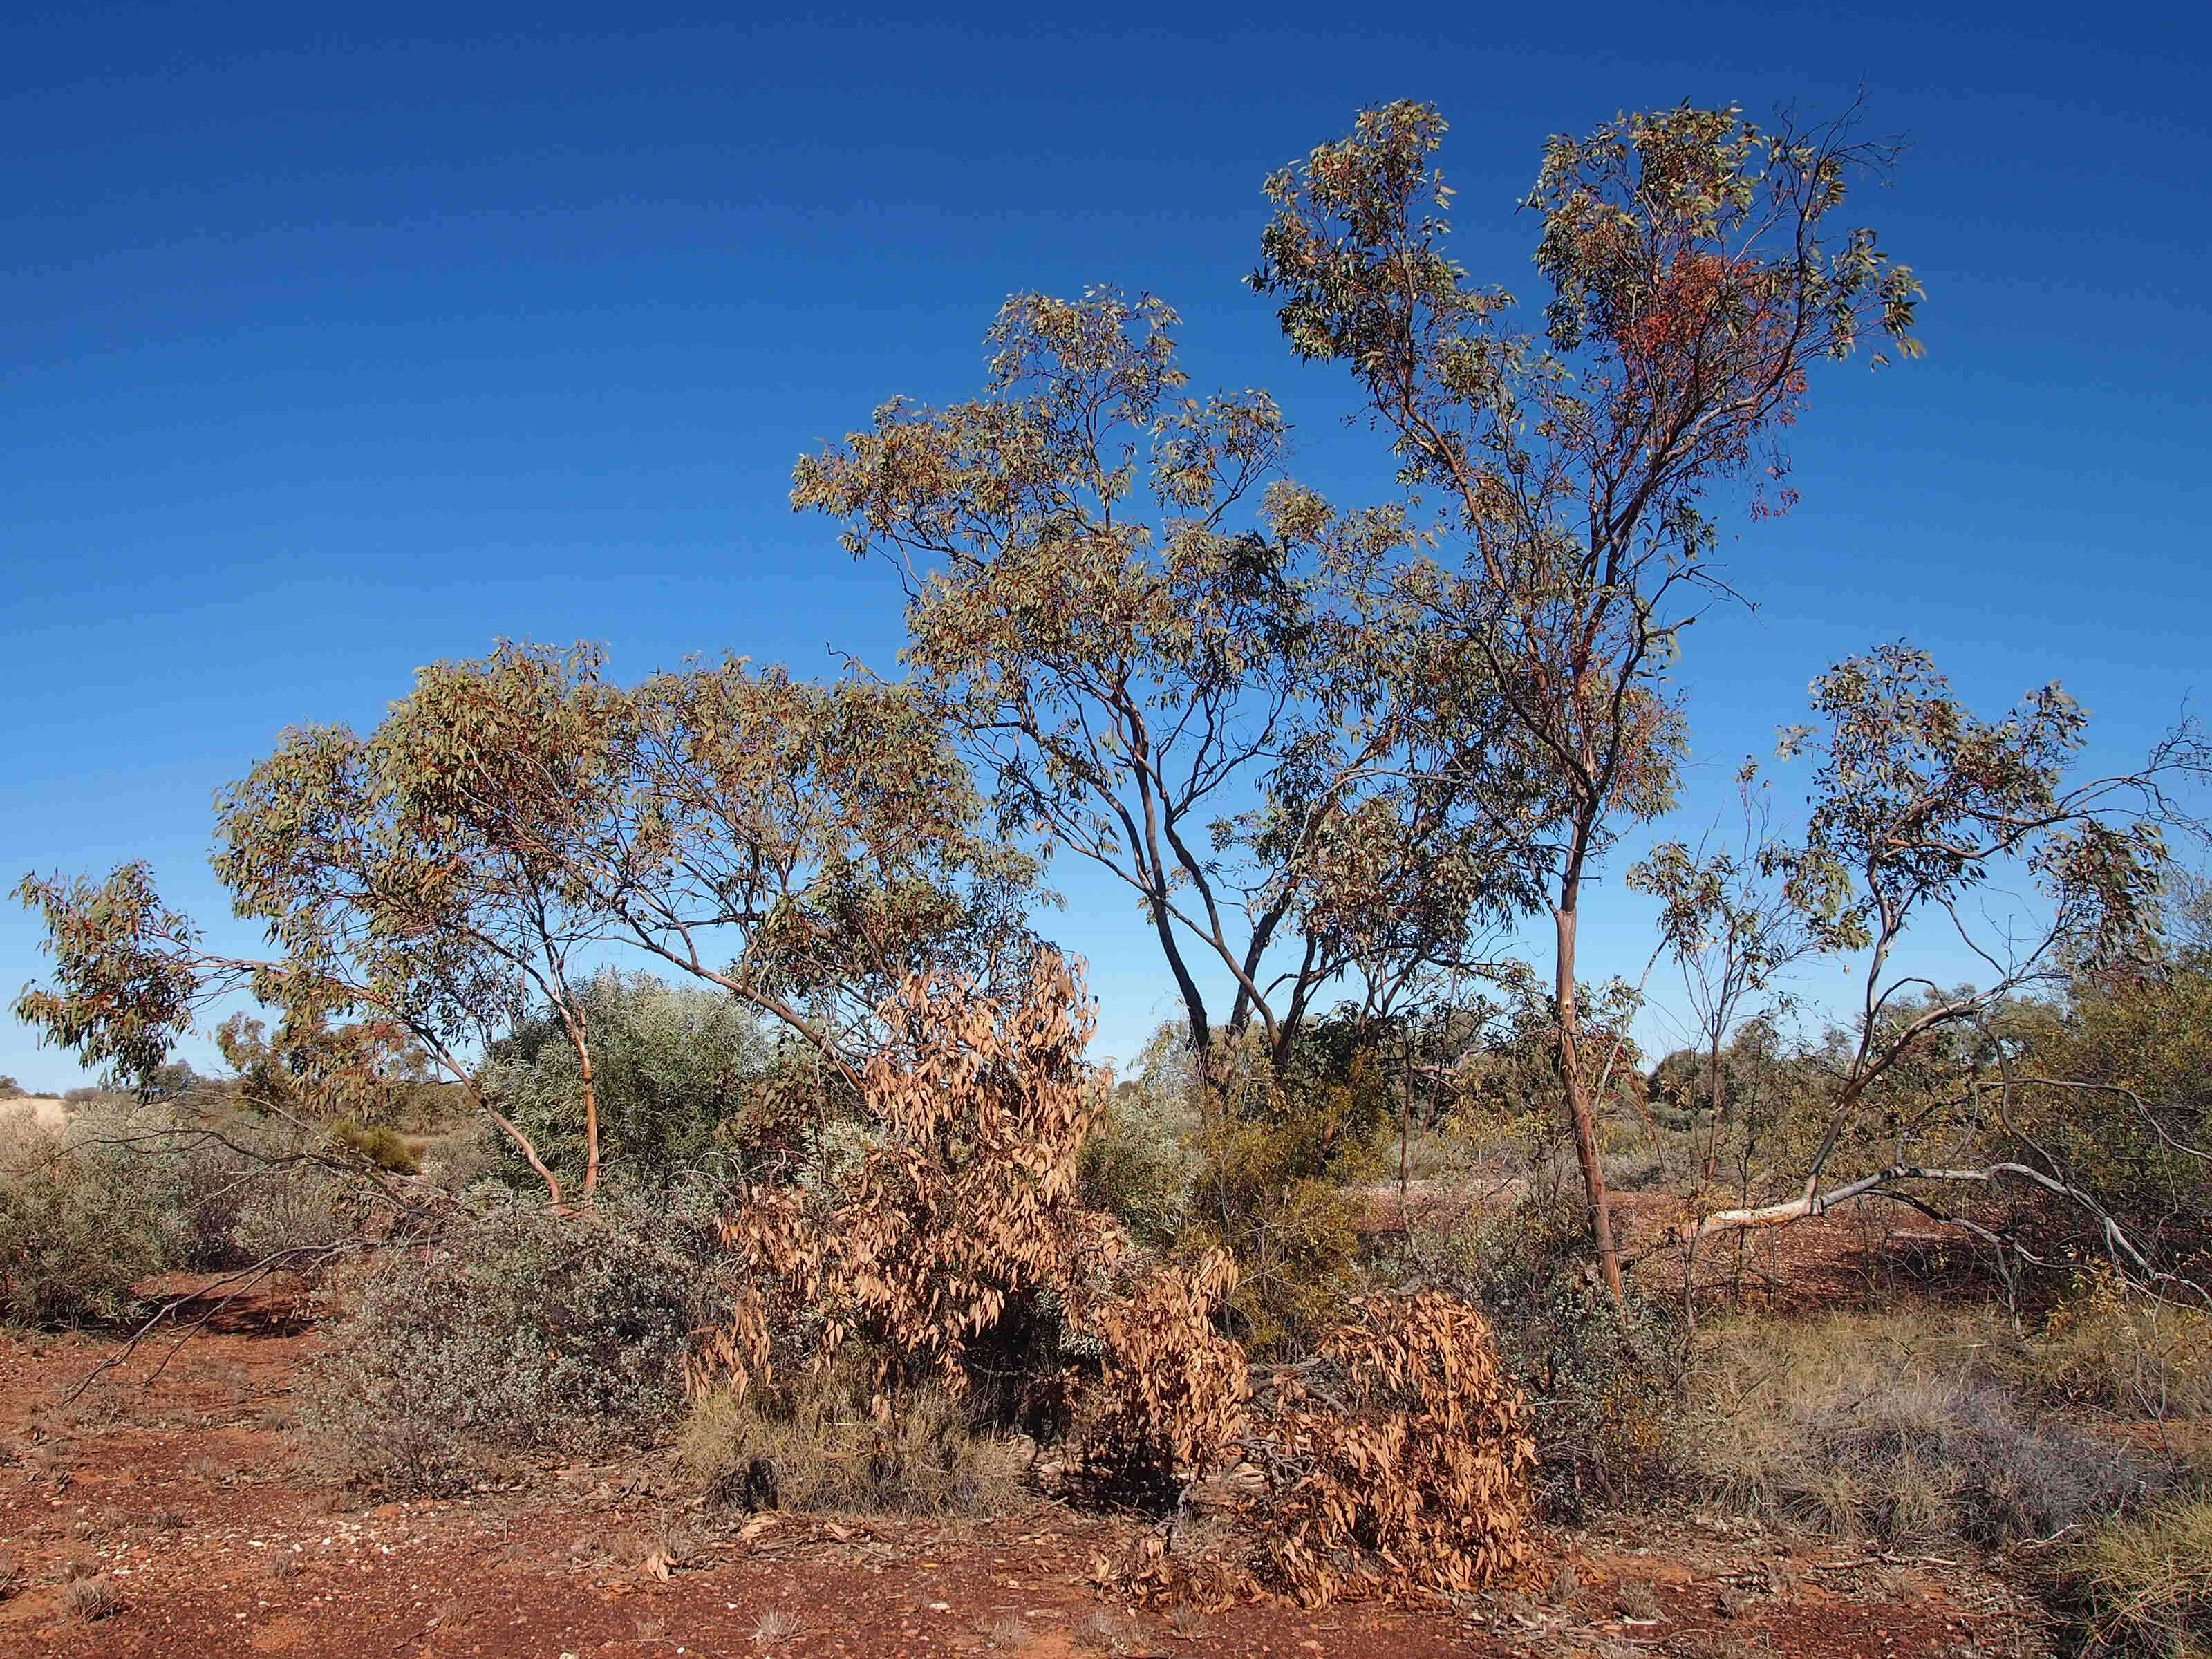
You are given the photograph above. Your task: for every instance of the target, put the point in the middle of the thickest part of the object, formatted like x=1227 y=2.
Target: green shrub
x=288 y=1211
x=380 y=1144
x=519 y=1331
x=1280 y=1166
x=124 y=1192
x=677 y=1072
x=79 y=1228
x=814 y=1445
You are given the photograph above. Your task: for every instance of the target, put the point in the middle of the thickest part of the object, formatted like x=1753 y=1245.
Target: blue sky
x=327 y=350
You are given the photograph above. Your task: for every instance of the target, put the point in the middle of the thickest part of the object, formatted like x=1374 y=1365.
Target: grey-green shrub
x=519 y=1331
x=80 y=1226
x=122 y=1192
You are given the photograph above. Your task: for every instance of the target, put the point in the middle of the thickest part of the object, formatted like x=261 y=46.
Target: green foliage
x=370 y=1071
x=679 y=1071
x=1695 y=282
x=1280 y=1160
x=518 y=1332
x=429 y=886
x=1138 y=1161
x=89 y=1212
x=2115 y=1083
x=125 y=974
x=1173 y=661
x=379 y=1144
x=79 y=1228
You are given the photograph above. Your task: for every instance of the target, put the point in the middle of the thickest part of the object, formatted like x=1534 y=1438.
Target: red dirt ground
x=184 y=1497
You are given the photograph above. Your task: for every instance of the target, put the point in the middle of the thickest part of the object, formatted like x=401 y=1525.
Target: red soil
x=182 y=1494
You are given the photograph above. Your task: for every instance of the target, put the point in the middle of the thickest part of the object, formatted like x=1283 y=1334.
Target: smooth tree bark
x=1695 y=281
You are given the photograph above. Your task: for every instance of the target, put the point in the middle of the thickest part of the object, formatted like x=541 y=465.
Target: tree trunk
x=1577 y=1090
x=590 y=1124
x=1713 y=1095
x=572 y=1022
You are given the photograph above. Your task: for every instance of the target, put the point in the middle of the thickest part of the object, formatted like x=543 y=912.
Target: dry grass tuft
x=2127 y=1352
x=1897 y=1429
x=775 y=1627
x=1115 y=1633
x=2144 y=1582
x=1188 y=1621
x=813 y=1446
x=91 y=1599
x=1637 y=1598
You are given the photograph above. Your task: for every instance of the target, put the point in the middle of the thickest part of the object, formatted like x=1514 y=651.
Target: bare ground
x=184 y=1493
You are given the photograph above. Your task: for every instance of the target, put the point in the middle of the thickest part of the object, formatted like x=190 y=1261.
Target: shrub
x=380 y=1144
x=1280 y=1165
x=2111 y=1346
x=1401 y=1461
x=81 y=1224
x=1884 y=1429
x=814 y=1444
x=1172 y=1390
x=1393 y=1460
x=2142 y=1582
x=1603 y=1380
x=1134 y=1168
x=675 y=1070
x=517 y=1332
x=293 y=1210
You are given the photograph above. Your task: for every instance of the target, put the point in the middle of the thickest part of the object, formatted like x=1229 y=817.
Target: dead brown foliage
x=1398 y=1460
x=1173 y=1391
x=965 y=1197
x=1395 y=1462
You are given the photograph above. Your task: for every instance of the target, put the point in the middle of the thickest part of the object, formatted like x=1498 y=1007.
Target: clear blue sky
x=329 y=349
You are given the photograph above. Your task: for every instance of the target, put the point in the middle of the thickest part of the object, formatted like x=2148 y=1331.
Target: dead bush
x=91 y=1599
x=1398 y=1459
x=1396 y=1462
x=1172 y=1390
x=962 y=1208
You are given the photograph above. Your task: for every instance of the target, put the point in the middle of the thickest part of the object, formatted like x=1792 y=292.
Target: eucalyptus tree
x=1171 y=661
x=515 y=825
x=1567 y=472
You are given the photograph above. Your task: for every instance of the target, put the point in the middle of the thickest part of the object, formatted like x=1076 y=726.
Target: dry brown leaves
x=965 y=1197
